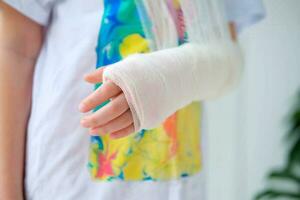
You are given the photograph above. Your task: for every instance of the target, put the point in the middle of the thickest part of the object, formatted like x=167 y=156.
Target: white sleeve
x=159 y=83
x=37 y=10
x=244 y=12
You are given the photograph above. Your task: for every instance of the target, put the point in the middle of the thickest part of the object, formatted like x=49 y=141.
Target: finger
x=95 y=76
x=116 y=124
x=107 y=113
x=123 y=133
x=102 y=94
x=112 y=98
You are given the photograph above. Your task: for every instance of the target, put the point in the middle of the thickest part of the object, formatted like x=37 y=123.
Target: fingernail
x=84 y=122
x=101 y=131
x=114 y=136
x=82 y=107
x=93 y=132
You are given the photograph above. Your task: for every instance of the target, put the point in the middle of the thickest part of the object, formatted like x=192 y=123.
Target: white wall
x=246 y=128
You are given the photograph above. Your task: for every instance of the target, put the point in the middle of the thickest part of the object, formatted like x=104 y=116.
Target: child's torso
x=57 y=150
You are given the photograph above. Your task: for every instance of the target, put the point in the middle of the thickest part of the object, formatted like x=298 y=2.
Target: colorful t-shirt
x=57 y=150
x=171 y=150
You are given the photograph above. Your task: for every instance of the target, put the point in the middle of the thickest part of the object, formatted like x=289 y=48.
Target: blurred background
x=246 y=129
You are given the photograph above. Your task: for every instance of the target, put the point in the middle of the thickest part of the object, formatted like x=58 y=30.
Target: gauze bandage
x=159 y=83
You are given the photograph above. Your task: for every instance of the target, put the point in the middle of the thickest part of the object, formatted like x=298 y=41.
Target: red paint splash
x=171 y=131
x=105 y=164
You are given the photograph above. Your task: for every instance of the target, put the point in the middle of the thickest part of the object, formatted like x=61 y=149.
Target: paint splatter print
x=170 y=151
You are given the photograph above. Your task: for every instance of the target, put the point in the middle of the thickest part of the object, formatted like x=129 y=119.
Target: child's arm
x=20 y=42
x=159 y=83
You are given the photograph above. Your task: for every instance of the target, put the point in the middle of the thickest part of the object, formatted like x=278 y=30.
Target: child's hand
x=115 y=117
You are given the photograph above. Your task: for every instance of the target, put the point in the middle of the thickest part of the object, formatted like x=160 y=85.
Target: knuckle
x=102 y=89
x=93 y=120
x=111 y=86
x=126 y=119
x=89 y=102
x=129 y=129
x=115 y=107
x=105 y=129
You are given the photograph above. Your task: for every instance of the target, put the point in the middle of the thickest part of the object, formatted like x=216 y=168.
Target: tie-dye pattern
x=170 y=151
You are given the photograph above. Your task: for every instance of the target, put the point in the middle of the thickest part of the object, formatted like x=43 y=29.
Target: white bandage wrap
x=159 y=83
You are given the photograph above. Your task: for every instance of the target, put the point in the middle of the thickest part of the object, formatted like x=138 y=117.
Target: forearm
x=159 y=83
x=19 y=49
x=15 y=96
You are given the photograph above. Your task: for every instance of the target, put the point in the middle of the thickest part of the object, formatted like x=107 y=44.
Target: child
x=56 y=41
